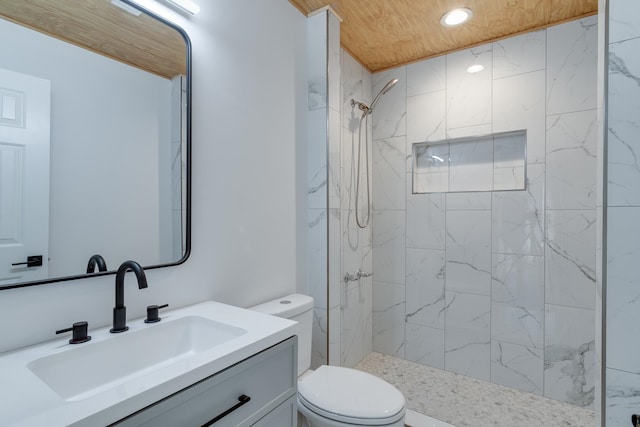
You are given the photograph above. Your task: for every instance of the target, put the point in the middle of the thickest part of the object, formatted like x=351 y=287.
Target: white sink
x=85 y=370
x=114 y=375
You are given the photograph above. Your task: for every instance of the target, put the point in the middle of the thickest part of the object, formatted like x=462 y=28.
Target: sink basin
x=86 y=369
x=103 y=381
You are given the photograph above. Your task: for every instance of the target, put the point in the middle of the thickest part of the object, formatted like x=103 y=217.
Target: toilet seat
x=351 y=396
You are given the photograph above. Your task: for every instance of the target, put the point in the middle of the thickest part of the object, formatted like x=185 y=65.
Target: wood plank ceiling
x=99 y=26
x=382 y=34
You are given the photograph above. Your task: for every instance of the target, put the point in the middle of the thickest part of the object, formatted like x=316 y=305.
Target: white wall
x=249 y=81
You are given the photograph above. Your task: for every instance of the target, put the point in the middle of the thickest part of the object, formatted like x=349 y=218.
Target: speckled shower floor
x=467 y=402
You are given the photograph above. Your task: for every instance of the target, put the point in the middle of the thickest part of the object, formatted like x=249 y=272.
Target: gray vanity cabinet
x=268 y=378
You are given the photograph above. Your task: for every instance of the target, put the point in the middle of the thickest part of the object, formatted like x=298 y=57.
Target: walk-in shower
x=367 y=110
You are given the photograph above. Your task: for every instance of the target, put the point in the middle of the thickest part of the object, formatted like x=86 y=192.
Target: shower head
x=384 y=90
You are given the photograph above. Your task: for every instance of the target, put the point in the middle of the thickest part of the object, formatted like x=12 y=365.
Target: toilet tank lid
x=287 y=307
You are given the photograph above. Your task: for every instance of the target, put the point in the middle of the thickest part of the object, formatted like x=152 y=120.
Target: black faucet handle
x=152 y=313
x=79 y=335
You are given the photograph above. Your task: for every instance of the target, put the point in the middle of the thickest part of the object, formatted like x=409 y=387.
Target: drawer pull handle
x=241 y=401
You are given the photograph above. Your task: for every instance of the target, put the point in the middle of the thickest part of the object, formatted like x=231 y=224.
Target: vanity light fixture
x=132 y=10
x=476 y=68
x=187 y=5
x=456 y=17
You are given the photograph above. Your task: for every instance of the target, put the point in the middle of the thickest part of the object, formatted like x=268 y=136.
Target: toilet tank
x=299 y=308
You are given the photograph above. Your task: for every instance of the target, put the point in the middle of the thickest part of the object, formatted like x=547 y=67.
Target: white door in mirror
x=25 y=104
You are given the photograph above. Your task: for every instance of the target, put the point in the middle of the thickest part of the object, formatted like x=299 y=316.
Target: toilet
x=333 y=396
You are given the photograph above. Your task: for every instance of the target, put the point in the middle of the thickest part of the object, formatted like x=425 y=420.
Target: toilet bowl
x=334 y=396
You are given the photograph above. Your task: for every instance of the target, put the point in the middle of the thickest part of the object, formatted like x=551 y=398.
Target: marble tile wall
x=356 y=297
x=623 y=207
x=497 y=285
x=317 y=185
x=324 y=182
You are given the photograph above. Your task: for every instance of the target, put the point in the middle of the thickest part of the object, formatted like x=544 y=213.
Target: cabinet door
x=267 y=378
x=285 y=415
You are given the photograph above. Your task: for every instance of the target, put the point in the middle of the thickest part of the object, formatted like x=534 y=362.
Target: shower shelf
x=494 y=162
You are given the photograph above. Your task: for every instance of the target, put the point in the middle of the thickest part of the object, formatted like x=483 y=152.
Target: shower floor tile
x=467 y=402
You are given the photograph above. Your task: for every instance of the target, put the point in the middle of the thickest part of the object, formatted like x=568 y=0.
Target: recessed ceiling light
x=456 y=17
x=475 y=68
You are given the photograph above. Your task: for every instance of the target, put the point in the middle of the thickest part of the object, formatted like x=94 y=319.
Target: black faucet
x=96 y=261
x=120 y=311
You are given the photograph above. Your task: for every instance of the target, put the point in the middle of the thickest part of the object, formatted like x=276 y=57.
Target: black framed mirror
x=95 y=140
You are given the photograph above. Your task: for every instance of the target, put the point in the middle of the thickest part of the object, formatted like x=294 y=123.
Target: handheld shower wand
x=366 y=111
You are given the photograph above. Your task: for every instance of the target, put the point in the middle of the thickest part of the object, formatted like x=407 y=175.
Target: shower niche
x=494 y=162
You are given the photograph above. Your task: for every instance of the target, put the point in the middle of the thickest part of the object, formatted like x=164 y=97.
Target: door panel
x=25 y=104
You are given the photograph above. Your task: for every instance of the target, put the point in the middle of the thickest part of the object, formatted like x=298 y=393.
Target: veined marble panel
x=389 y=246
x=430 y=182
x=467 y=334
x=319 y=338
x=317 y=159
x=356 y=242
x=571 y=66
x=518 y=217
x=334 y=258
x=520 y=54
x=357 y=320
x=388 y=318
x=426 y=76
x=469 y=94
x=623 y=397
x=571 y=258
x=624 y=124
x=425 y=289
x=468 y=353
x=517 y=300
x=518 y=103
x=469 y=201
x=333 y=61
x=426 y=117
x=571 y=160
x=349 y=168
x=352 y=74
x=569 y=368
x=335 y=336
x=317 y=256
x=468 y=253
x=390 y=113
x=425 y=345
x=317 y=60
x=466 y=131
x=389 y=174
x=425 y=219
x=468 y=312
x=517 y=366
x=623 y=22
x=623 y=292
x=335 y=153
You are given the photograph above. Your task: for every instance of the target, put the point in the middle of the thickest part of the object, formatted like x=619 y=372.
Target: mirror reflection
x=93 y=140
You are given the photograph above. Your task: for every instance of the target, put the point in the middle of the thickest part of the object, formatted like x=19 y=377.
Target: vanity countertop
x=29 y=401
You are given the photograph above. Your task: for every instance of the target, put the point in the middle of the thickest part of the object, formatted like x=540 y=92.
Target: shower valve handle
x=353 y=277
